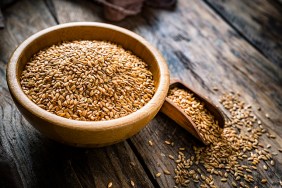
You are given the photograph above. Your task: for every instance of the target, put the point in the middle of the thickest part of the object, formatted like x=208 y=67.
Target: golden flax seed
x=264 y=181
x=132 y=183
x=229 y=148
x=167 y=142
x=87 y=80
x=194 y=108
x=110 y=184
x=171 y=157
x=158 y=174
x=166 y=172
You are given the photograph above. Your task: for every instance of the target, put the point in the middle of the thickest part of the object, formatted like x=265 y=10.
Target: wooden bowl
x=87 y=133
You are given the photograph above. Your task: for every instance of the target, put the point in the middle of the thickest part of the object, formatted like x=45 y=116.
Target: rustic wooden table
x=232 y=45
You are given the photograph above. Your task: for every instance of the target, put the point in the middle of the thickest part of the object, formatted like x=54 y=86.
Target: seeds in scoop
x=87 y=80
x=194 y=108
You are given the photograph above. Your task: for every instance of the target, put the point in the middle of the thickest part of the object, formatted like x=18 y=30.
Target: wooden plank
x=205 y=52
x=40 y=161
x=75 y=10
x=39 y=157
x=19 y=26
x=1 y=20
x=260 y=21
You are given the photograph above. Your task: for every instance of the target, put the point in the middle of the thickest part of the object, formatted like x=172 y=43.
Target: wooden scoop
x=181 y=118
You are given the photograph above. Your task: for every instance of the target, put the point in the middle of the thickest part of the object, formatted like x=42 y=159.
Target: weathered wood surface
x=260 y=21
x=200 y=48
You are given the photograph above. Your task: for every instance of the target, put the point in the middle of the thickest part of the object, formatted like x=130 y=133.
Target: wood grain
x=202 y=50
x=16 y=29
x=2 y=25
x=205 y=52
x=76 y=10
x=40 y=161
x=260 y=21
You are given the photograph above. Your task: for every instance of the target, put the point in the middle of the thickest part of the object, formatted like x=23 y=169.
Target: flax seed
x=88 y=71
x=264 y=181
x=132 y=183
x=158 y=174
x=223 y=179
x=167 y=142
x=110 y=185
x=171 y=157
x=234 y=184
x=193 y=107
x=232 y=152
x=166 y=172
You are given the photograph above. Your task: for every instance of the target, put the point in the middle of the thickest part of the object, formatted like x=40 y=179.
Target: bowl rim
x=20 y=97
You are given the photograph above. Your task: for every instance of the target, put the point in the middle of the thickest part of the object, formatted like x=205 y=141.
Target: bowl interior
x=119 y=36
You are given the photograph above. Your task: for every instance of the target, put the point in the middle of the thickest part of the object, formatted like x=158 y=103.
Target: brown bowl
x=87 y=133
